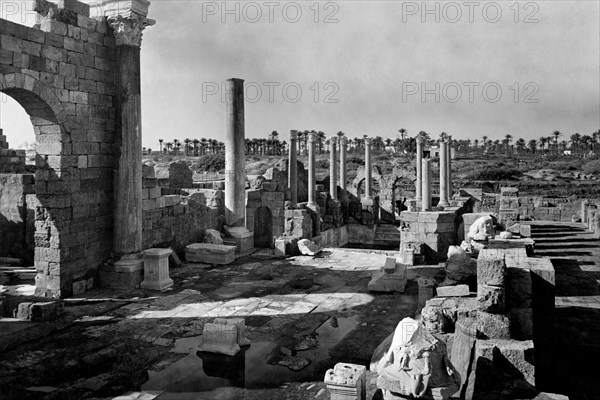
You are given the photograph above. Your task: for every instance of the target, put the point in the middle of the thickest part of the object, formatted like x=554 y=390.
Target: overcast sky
x=367 y=67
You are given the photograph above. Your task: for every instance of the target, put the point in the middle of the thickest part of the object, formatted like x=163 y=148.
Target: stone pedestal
x=156 y=269
x=242 y=238
x=293 y=169
x=346 y=382
x=224 y=336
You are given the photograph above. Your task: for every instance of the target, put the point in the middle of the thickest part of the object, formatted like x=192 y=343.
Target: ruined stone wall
x=17 y=218
x=62 y=73
x=178 y=219
x=266 y=197
x=524 y=208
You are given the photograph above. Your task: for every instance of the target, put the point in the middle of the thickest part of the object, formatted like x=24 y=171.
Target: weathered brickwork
x=177 y=219
x=17 y=219
x=62 y=73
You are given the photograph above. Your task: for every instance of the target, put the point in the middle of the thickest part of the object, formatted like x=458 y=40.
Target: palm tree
x=543 y=141
x=507 y=139
x=575 y=140
x=556 y=134
x=176 y=145
x=532 y=145
x=520 y=145
x=168 y=146
x=186 y=147
x=203 y=143
x=321 y=138
x=160 y=145
x=196 y=142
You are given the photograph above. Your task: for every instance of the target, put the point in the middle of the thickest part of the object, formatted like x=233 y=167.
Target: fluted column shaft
x=449 y=168
x=426 y=187
x=419 y=182
x=443 y=174
x=312 y=179
x=235 y=186
x=368 y=168
x=343 y=147
x=333 y=168
x=293 y=169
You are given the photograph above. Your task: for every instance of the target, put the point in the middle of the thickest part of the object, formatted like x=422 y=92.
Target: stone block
x=388 y=281
x=218 y=337
x=390 y=264
x=493 y=326
x=507 y=357
x=346 y=382
x=40 y=312
x=491 y=267
x=210 y=253
x=156 y=269
x=79 y=287
x=453 y=291
x=491 y=298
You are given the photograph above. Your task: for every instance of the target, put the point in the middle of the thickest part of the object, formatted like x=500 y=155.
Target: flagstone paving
x=116 y=353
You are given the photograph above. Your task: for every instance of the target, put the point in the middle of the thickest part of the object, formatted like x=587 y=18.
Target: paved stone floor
x=145 y=349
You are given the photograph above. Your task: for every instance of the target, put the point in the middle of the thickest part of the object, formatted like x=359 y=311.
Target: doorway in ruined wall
x=263 y=228
x=46 y=204
x=17 y=185
x=402 y=190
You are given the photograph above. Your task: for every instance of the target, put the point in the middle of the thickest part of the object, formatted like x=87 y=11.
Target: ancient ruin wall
x=62 y=73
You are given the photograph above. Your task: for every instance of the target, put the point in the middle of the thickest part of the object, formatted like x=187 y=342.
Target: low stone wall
x=508 y=206
x=436 y=230
x=178 y=219
x=12 y=161
x=17 y=216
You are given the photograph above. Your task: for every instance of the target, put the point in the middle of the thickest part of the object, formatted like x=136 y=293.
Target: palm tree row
x=579 y=145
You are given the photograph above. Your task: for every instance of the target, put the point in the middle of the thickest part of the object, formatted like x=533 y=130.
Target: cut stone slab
x=156 y=270
x=453 y=291
x=308 y=248
x=390 y=264
x=208 y=253
x=384 y=281
x=39 y=312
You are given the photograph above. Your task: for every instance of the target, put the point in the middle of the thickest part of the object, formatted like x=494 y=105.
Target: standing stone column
x=343 y=142
x=426 y=188
x=333 y=167
x=449 y=168
x=419 y=182
x=443 y=174
x=128 y=25
x=235 y=187
x=368 y=168
x=312 y=179
x=293 y=169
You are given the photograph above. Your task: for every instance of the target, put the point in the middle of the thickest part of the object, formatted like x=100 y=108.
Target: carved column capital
x=368 y=141
x=420 y=139
x=333 y=140
x=312 y=137
x=294 y=135
x=343 y=140
x=128 y=30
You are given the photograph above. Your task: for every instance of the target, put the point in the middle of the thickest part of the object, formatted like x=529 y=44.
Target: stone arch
x=48 y=119
x=263 y=227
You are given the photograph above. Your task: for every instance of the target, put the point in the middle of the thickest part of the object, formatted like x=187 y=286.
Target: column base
x=242 y=238
x=127 y=273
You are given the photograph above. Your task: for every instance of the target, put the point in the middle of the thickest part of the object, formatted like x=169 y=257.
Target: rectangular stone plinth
x=127 y=273
x=209 y=253
x=453 y=291
x=156 y=269
x=346 y=382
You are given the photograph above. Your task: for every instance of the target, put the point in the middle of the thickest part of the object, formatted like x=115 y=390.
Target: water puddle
x=216 y=376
